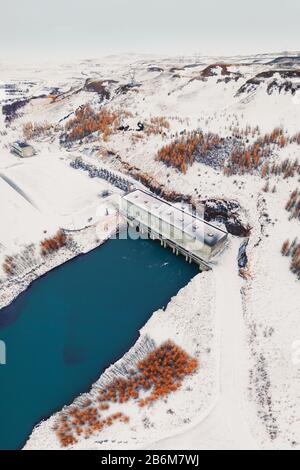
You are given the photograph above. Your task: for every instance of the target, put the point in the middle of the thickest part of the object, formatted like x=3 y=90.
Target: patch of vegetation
x=35 y=130
x=50 y=245
x=157 y=125
x=15 y=265
x=87 y=121
x=11 y=110
x=292 y=250
x=293 y=205
x=183 y=151
x=160 y=373
x=245 y=151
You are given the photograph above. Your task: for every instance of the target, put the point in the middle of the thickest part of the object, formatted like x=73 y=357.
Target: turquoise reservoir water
x=74 y=322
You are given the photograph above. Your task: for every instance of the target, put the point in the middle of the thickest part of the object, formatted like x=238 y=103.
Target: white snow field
x=40 y=196
x=19 y=218
x=54 y=188
x=245 y=394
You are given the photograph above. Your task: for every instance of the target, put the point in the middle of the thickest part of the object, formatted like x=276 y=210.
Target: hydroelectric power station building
x=22 y=149
x=185 y=233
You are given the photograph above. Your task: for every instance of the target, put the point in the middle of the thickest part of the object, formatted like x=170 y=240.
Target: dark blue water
x=74 y=322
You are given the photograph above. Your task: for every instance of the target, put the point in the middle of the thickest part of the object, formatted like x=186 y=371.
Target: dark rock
x=123 y=89
x=235 y=227
x=219 y=208
x=286 y=84
x=227 y=212
x=99 y=87
x=155 y=69
x=242 y=256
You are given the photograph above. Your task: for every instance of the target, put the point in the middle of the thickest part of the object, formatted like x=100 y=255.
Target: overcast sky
x=63 y=29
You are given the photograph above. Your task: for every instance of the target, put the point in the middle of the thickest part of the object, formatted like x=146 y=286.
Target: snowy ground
x=250 y=376
x=227 y=426
x=44 y=195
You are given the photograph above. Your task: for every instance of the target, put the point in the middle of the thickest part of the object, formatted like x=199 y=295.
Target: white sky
x=67 y=29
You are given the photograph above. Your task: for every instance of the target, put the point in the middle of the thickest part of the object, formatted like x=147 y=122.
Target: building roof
x=190 y=224
x=21 y=144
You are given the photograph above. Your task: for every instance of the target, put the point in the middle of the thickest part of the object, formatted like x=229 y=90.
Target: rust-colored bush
x=87 y=121
x=159 y=374
x=181 y=152
x=292 y=250
x=245 y=156
x=248 y=158
x=157 y=125
x=49 y=245
x=34 y=130
x=9 y=265
x=293 y=205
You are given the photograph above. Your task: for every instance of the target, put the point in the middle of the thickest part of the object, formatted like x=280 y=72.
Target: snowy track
x=226 y=427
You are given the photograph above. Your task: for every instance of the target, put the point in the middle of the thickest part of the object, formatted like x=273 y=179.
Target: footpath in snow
x=226 y=427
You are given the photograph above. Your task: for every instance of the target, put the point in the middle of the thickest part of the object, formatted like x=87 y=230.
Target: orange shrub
x=181 y=152
x=157 y=125
x=244 y=157
x=160 y=373
x=33 y=130
x=50 y=245
x=293 y=205
x=292 y=250
x=87 y=121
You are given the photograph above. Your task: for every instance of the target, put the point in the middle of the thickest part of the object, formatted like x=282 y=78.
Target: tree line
x=87 y=121
x=244 y=156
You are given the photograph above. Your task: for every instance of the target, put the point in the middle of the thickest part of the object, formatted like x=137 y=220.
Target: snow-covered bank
x=271 y=299
x=82 y=242
x=227 y=426
x=44 y=194
x=190 y=321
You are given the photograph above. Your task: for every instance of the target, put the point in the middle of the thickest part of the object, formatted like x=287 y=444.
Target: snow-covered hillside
x=141 y=104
